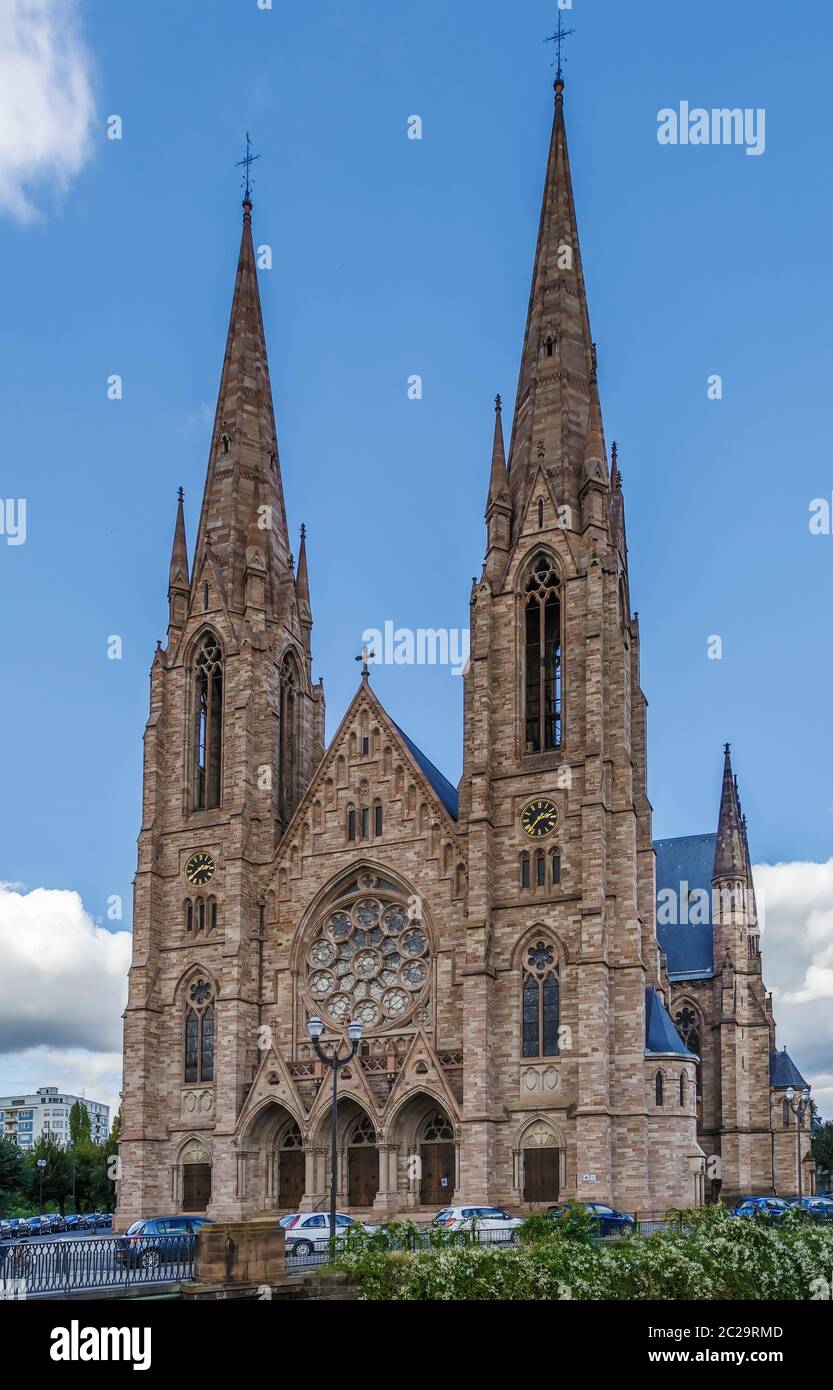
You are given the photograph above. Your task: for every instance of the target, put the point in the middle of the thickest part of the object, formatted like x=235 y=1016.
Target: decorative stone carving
x=540 y=1079
x=196 y=1103
x=540 y=1136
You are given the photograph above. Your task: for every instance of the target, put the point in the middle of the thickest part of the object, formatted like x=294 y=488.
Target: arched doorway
x=290 y=1162
x=437 y=1160
x=541 y=1158
x=362 y=1163
x=195 y=1166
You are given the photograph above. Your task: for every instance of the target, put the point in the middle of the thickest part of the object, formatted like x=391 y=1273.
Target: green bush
x=708 y=1254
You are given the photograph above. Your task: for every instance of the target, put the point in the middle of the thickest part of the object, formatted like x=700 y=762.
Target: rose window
x=369 y=959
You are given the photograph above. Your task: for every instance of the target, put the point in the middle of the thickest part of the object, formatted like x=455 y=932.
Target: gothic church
x=526 y=1034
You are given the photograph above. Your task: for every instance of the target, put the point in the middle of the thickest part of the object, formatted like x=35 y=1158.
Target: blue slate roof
x=684 y=865
x=660 y=1033
x=784 y=1072
x=444 y=789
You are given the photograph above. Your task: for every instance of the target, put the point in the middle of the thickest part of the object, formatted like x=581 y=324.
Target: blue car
x=772 y=1209
x=158 y=1241
x=72 y=1222
x=819 y=1208
x=607 y=1221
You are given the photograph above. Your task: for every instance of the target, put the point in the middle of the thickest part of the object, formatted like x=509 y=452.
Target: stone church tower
x=236 y=728
x=496 y=941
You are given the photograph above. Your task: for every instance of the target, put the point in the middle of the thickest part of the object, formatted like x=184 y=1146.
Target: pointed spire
x=302 y=578
x=595 y=458
x=729 y=856
x=243 y=469
x=179 y=586
x=178 y=576
x=557 y=364
x=498 y=480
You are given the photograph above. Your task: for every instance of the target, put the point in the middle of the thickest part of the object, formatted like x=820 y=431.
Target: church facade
x=526 y=1034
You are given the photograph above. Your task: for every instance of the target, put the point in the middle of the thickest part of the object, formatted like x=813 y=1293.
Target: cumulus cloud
x=46 y=100
x=63 y=980
x=797 y=946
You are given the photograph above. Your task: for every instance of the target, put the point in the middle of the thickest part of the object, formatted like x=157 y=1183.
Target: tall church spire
x=302 y=594
x=729 y=851
x=555 y=386
x=243 y=483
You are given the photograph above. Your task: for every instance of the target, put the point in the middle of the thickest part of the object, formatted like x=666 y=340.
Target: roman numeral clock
x=539 y=818
x=200 y=868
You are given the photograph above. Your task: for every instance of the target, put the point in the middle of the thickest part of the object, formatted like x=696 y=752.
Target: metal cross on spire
x=247 y=161
x=364 y=656
x=558 y=38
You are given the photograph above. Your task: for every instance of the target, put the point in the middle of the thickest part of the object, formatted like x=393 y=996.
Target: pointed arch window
x=688 y=1026
x=199 y=1033
x=208 y=720
x=524 y=870
x=555 y=867
x=541 y=1002
x=658 y=1088
x=683 y=1090
x=540 y=870
x=290 y=691
x=542 y=657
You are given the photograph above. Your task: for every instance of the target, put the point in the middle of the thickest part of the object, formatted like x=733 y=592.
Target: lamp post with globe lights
x=799 y=1109
x=315 y=1028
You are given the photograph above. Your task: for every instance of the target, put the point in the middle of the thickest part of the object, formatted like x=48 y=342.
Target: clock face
x=539 y=818
x=200 y=868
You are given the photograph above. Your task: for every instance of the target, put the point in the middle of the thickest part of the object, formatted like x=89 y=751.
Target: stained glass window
x=369 y=959
x=192 y=1031
x=199 y=1033
x=540 y=1002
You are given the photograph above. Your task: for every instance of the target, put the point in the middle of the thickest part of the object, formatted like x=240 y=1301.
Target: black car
x=158 y=1241
x=72 y=1222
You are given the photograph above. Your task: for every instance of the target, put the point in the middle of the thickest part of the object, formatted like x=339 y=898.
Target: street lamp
x=41 y=1163
x=315 y=1028
x=799 y=1109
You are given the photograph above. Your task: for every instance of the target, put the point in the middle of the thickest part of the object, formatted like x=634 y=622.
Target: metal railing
x=65 y=1265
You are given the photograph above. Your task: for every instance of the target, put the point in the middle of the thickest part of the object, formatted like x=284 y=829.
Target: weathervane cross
x=247 y=161
x=558 y=38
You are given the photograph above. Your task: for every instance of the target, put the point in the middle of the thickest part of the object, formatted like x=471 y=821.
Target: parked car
x=38 y=1226
x=772 y=1209
x=608 y=1221
x=57 y=1223
x=14 y=1228
x=308 y=1232
x=106 y=1220
x=158 y=1241
x=72 y=1222
x=494 y=1222
x=819 y=1208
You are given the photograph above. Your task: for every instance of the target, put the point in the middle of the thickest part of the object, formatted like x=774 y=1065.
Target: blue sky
x=394 y=257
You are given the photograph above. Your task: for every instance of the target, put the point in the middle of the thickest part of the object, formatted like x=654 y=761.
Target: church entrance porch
x=540 y=1164
x=425 y=1152
x=194 y=1173
x=274 y=1149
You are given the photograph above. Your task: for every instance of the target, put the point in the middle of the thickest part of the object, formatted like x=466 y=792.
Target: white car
x=494 y=1222
x=308 y=1232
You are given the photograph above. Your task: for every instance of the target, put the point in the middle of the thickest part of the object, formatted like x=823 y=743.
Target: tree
x=56 y=1173
x=12 y=1170
x=822 y=1147
x=79 y=1122
x=115 y=1131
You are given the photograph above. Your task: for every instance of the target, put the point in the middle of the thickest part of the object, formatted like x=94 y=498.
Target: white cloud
x=46 y=100
x=96 y=1075
x=797 y=947
x=63 y=980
